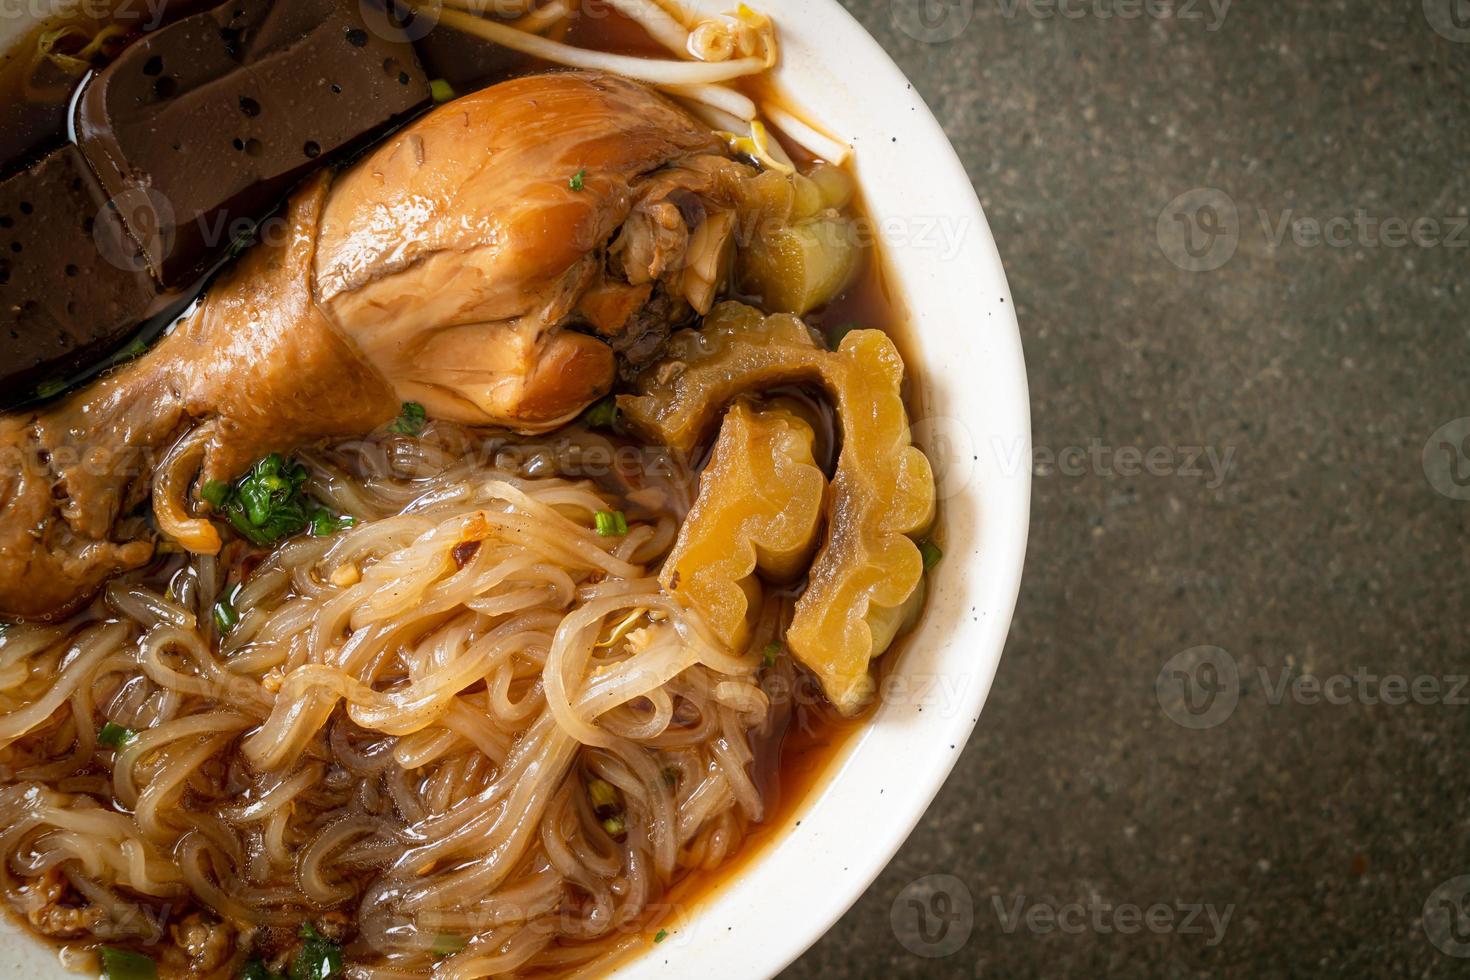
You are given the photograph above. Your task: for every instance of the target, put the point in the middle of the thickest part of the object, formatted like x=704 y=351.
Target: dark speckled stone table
x=1228 y=734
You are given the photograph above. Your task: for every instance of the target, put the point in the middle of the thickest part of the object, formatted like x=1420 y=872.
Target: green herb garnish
x=266 y=504
x=256 y=970
x=136 y=347
x=48 y=389
x=607 y=806
x=769 y=654
x=323 y=524
x=241 y=243
x=215 y=493
x=602 y=414
x=447 y=944
x=578 y=181
x=603 y=795
x=661 y=935
x=611 y=523
x=123 y=964
x=411 y=420
x=115 y=736
x=929 y=551
x=225 y=615
x=441 y=91
x=318 y=959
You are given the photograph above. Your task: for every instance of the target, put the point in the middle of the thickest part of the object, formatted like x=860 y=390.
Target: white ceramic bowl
x=978 y=436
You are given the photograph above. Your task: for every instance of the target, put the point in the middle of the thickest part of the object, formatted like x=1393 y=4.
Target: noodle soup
x=528 y=584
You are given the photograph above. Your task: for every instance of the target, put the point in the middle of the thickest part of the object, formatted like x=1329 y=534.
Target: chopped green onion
x=661 y=935
x=318 y=959
x=266 y=504
x=47 y=389
x=115 y=736
x=324 y=525
x=603 y=795
x=411 y=420
x=255 y=969
x=447 y=944
x=122 y=964
x=930 y=552
x=136 y=348
x=241 y=243
x=602 y=414
x=611 y=523
x=215 y=493
x=441 y=91
x=769 y=654
x=835 y=335
x=225 y=615
x=607 y=806
x=578 y=181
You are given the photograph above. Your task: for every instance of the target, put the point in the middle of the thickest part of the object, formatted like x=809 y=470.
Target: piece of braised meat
x=484 y=262
x=455 y=253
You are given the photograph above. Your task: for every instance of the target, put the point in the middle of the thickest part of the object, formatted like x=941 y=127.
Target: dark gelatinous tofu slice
x=73 y=284
x=208 y=122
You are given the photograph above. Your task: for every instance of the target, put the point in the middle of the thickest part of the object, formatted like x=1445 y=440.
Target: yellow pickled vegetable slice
x=801 y=266
x=869 y=569
x=759 y=506
x=866 y=577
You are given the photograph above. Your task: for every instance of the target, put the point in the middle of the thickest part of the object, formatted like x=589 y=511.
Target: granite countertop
x=1225 y=735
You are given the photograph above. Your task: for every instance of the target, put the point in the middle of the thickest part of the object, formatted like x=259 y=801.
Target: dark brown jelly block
x=72 y=284
x=216 y=116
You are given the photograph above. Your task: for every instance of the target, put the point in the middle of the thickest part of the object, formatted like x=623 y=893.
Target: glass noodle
x=408 y=715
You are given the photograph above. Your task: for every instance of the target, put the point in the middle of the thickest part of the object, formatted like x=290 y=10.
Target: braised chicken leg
x=492 y=261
